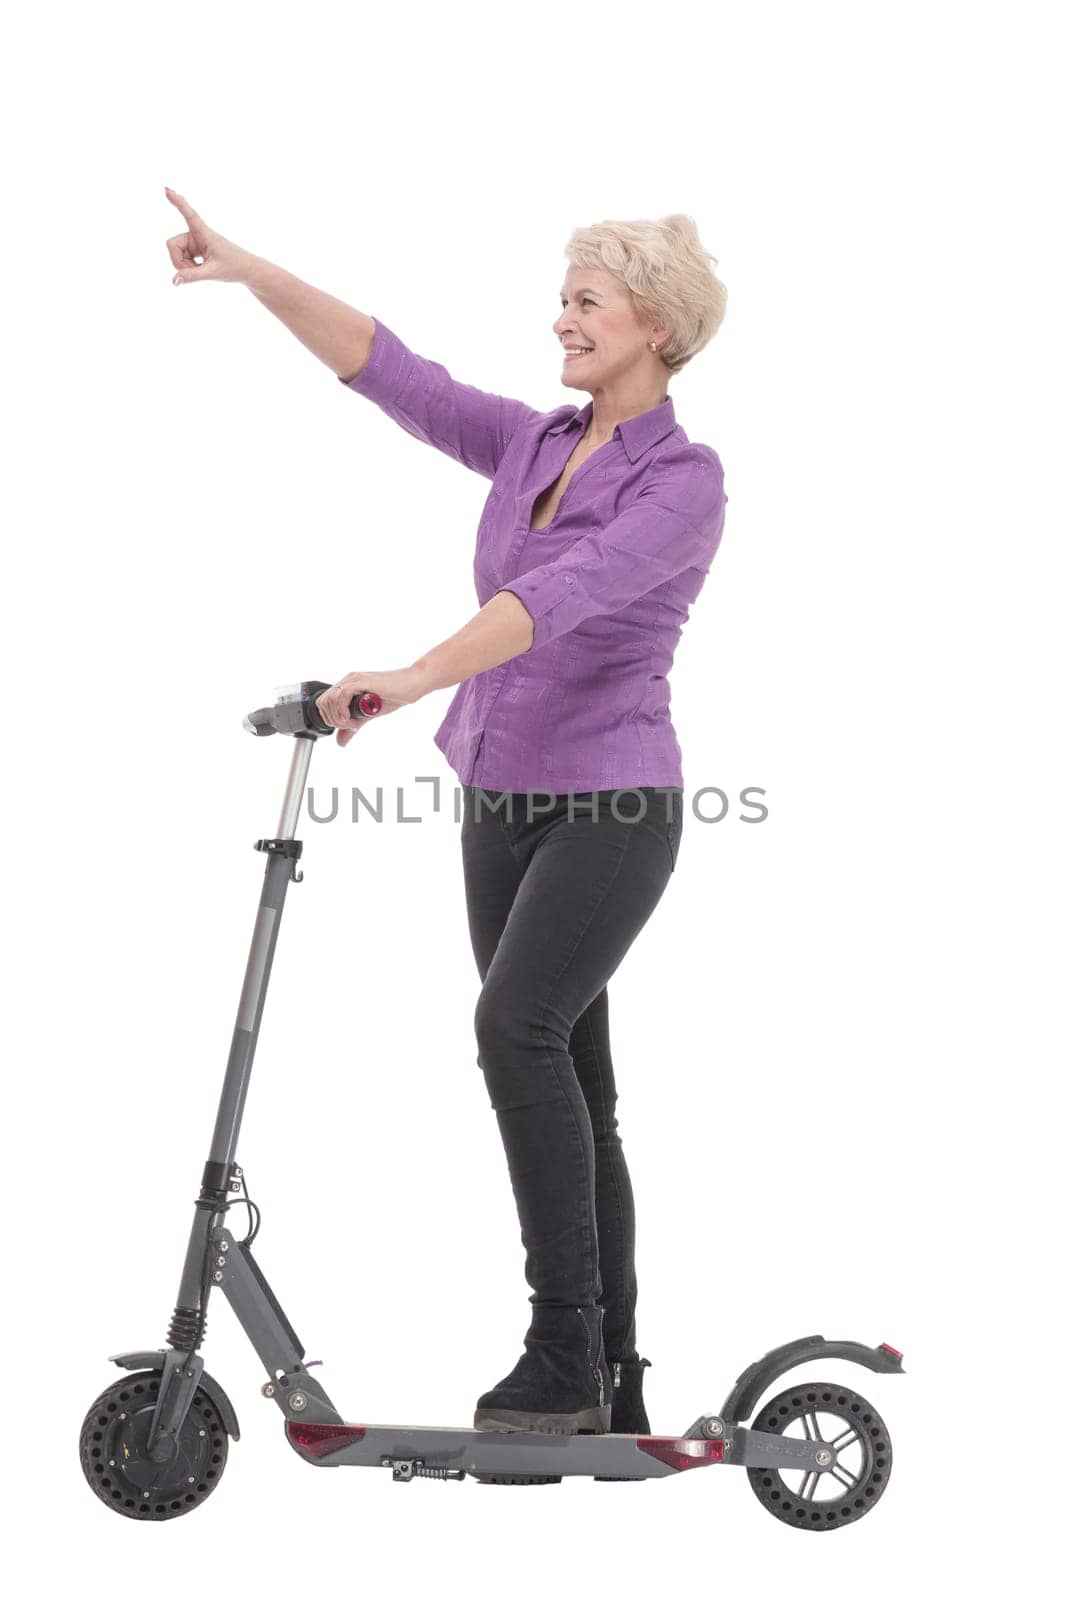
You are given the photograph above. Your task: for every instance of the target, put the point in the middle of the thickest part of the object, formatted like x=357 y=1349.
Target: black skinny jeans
x=557 y=890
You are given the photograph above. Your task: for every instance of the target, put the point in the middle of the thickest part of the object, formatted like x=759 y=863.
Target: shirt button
x=569 y=579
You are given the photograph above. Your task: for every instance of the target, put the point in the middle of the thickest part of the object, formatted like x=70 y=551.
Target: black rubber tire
x=821 y=1512
x=117 y=1468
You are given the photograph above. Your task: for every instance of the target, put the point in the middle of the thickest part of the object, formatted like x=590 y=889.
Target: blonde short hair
x=670 y=276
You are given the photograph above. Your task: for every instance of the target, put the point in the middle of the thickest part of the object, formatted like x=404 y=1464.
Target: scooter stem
x=280 y=869
x=294 y=788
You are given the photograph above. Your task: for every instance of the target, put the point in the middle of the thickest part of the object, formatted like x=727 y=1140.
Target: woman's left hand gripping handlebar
x=394 y=689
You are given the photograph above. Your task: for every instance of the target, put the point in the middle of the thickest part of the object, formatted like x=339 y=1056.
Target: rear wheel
x=121 y=1472
x=843 y=1420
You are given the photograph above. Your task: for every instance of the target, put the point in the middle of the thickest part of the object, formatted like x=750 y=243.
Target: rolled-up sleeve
x=675 y=522
x=468 y=424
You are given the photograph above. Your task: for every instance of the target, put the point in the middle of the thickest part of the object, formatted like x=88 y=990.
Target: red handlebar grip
x=367 y=704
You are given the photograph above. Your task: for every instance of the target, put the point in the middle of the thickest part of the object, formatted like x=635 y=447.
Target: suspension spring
x=185 y=1331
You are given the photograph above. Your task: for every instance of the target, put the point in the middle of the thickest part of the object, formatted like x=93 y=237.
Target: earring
x=652 y=347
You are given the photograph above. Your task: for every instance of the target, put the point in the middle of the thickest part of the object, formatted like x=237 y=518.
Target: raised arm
x=471 y=425
x=338 y=334
x=468 y=424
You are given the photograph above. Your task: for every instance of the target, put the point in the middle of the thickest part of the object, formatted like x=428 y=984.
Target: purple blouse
x=608 y=583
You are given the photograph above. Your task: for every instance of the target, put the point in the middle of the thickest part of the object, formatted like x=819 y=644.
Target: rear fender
x=741 y=1401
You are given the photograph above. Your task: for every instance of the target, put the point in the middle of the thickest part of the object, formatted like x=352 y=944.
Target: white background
x=839 y=1091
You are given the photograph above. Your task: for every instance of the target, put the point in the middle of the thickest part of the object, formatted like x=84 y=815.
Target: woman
x=594 y=542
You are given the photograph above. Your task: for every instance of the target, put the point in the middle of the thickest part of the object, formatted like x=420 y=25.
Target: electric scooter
x=154 y=1445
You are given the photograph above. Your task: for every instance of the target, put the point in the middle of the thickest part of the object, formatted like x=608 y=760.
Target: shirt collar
x=638 y=433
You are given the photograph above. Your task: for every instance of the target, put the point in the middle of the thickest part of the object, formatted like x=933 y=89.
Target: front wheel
x=846 y=1491
x=119 y=1468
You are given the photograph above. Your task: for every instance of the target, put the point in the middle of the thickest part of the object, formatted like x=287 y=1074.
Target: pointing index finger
x=184 y=207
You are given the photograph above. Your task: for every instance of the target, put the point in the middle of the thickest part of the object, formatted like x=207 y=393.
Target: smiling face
x=599 y=315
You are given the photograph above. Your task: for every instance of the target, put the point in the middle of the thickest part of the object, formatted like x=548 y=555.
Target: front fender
x=153 y=1360
x=741 y=1401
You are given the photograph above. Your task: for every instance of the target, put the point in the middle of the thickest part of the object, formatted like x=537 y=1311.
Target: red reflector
x=682 y=1453
x=322 y=1438
x=892 y=1352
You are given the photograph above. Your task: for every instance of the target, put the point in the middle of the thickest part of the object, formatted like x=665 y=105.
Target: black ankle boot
x=561 y=1384
x=628 y=1414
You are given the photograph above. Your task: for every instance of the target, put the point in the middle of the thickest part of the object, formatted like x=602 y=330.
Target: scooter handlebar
x=294 y=711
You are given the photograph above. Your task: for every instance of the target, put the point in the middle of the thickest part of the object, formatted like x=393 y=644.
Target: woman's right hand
x=223 y=261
